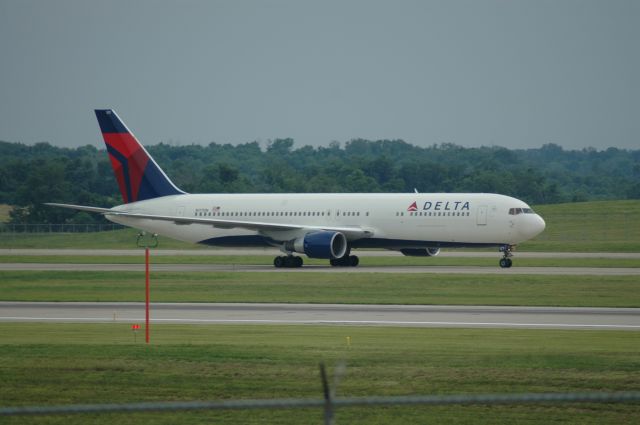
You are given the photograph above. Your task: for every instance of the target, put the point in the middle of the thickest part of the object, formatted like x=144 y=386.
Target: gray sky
x=508 y=73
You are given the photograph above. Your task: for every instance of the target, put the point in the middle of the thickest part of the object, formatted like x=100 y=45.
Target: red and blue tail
x=138 y=175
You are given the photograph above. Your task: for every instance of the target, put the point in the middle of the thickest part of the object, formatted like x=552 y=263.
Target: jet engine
x=420 y=252
x=319 y=245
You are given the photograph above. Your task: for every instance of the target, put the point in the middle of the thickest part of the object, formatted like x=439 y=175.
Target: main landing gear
x=505 y=261
x=288 y=261
x=292 y=261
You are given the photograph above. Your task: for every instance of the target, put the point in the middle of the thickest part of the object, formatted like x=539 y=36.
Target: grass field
x=607 y=226
x=74 y=363
x=100 y=363
x=116 y=239
x=359 y=288
x=589 y=227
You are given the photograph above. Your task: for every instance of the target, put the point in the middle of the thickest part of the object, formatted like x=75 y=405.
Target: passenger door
x=481 y=219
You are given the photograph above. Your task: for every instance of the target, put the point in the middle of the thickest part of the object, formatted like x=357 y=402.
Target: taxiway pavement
x=213 y=268
x=327 y=314
x=273 y=252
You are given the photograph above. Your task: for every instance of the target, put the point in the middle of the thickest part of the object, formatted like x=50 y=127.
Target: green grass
x=359 y=288
x=115 y=239
x=99 y=363
x=589 y=227
x=607 y=226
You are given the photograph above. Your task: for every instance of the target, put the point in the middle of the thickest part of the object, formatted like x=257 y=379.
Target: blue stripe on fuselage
x=262 y=241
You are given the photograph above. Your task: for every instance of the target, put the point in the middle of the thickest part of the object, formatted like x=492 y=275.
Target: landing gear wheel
x=288 y=261
x=505 y=261
x=353 y=260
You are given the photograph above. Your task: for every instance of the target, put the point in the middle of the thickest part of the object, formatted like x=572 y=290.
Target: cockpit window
x=516 y=211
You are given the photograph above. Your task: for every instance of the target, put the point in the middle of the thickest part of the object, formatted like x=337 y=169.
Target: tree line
x=33 y=174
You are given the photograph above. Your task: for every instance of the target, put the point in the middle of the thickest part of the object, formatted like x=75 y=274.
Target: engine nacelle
x=420 y=252
x=320 y=245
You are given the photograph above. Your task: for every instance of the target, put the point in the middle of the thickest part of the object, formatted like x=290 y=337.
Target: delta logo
x=441 y=206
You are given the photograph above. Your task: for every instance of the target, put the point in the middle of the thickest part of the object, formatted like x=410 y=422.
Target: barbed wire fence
x=329 y=403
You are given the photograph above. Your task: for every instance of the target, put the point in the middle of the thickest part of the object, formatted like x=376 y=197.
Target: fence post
x=328 y=406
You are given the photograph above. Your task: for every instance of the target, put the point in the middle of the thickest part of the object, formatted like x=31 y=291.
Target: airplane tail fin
x=138 y=175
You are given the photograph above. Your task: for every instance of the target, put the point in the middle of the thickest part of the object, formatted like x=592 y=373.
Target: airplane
x=318 y=225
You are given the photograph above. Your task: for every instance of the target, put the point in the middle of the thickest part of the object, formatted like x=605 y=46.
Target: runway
x=213 y=268
x=328 y=314
x=213 y=252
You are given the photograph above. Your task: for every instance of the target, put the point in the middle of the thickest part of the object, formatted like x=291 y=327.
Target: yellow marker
x=349 y=341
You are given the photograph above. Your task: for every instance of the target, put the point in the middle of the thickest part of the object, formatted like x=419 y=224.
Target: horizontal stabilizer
x=81 y=208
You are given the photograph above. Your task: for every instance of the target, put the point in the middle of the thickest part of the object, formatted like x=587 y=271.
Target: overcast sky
x=510 y=73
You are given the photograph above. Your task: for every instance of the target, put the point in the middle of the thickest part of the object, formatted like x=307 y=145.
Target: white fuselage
x=395 y=221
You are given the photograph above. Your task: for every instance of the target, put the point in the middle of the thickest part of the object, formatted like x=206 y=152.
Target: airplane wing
x=351 y=233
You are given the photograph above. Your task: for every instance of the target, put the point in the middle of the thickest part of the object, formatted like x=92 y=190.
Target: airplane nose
x=532 y=226
x=541 y=225
x=535 y=226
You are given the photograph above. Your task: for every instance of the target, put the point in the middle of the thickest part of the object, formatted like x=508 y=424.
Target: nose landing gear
x=505 y=261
